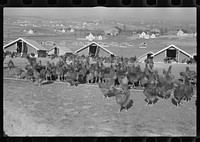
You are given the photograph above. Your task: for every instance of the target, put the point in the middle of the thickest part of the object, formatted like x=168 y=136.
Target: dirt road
x=57 y=110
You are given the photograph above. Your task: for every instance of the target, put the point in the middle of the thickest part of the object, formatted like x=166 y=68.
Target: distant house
x=26 y=46
x=181 y=32
x=63 y=31
x=72 y=30
x=171 y=51
x=113 y=31
x=31 y=31
x=143 y=35
x=153 y=36
x=100 y=37
x=90 y=37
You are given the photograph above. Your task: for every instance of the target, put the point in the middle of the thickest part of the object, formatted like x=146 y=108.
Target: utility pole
x=8 y=33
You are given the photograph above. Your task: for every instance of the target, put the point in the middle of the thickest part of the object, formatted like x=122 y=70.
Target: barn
x=171 y=51
x=142 y=58
x=94 y=49
x=59 y=50
x=26 y=46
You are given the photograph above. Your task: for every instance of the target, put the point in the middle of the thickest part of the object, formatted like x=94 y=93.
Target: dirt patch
x=57 y=110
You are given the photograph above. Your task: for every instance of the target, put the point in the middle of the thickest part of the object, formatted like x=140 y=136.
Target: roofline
x=11 y=42
x=145 y=54
x=97 y=45
x=30 y=44
x=194 y=54
x=173 y=46
x=51 y=48
x=57 y=47
x=18 y=40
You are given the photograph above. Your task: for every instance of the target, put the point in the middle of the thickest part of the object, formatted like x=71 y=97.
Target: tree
x=162 y=31
x=166 y=30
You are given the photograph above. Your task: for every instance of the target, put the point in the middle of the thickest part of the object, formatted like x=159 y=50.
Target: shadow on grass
x=47 y=82
x=130 y=104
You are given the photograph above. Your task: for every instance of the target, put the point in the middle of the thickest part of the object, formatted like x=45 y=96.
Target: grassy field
x=58 y=110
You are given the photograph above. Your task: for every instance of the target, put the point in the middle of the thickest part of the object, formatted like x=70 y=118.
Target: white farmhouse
x=100 y=37
x=90 y=37
x=30 y=31
x=181 y=32
x=63 y=31
x=153 y=36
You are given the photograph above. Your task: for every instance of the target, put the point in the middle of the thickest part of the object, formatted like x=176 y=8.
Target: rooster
x=165 y=84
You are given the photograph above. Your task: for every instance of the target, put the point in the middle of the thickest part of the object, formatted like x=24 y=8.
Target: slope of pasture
x=58 y=110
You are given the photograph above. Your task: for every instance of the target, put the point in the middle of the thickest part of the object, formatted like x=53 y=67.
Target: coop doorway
x=56 y=51
x=171 y=53
x=19 y=47
x=195 y=58
x=92 y=50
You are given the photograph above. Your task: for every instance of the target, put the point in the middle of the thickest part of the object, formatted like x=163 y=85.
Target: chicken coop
x=94 y=49
x=172 y=52
x=26 y=46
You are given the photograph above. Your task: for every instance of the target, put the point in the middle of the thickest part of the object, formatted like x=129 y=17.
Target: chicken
x=188 y=89
x=90 y=77
x=151 y=92
x=188 y=73
x=17 y=72
x=10 y=65
x=60 y=73
x=165 y=84
x=31 y=60
x=105 y=87
x=122 y=95
x=179 y=93
x=165 y=91
x=39 y=76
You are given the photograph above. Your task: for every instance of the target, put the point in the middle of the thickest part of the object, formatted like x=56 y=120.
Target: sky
x=179 y=13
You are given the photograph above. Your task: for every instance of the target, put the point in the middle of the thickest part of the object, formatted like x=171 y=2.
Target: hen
x=17 y=72
x=179 y=93
x=10 y=65
x=105 y=87
x=188 y=89
x=151 y=92
x=122 y=95
x=39 y=76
